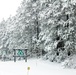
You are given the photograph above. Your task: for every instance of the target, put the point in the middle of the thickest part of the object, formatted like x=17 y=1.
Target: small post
x=14 y=55
x=28 y=68
x=25 y=55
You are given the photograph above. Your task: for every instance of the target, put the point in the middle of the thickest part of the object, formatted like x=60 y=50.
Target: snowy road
x=37 y=67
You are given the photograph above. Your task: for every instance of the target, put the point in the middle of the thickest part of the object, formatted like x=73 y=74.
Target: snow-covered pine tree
x=28 y=16
x=59 y=35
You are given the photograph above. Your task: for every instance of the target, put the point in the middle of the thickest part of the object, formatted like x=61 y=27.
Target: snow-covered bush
x=69 y=62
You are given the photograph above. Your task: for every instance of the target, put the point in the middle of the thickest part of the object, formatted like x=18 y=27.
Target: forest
x=45 y=27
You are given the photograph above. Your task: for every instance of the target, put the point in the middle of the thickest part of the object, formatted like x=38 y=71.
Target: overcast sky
x=8 y=7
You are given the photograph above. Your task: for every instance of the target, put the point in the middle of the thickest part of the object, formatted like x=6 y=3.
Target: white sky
x=8 y=7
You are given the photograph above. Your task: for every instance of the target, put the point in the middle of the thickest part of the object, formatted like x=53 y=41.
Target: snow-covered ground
x=37 y=67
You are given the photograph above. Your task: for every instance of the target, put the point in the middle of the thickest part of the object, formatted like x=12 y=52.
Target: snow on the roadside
x=37 y=67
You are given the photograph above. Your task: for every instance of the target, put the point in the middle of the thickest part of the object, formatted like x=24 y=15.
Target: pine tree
x=28 y=15
x=59 y=34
